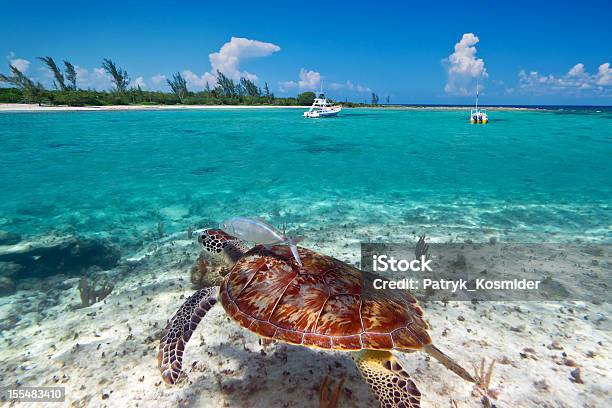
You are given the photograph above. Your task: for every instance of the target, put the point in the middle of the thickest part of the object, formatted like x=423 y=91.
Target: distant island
x=66 y=92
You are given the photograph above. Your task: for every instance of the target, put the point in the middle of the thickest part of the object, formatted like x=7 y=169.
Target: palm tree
x=59 y=77
x=71 y=75
x=178 y=86
x=18 y=79
x=119 y=76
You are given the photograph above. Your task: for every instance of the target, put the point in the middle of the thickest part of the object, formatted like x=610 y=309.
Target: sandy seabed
x=105 y=354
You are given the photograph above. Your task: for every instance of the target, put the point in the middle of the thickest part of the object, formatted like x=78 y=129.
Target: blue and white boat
x=322 y=108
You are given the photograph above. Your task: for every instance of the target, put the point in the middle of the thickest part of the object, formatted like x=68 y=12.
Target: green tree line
x=66 y=92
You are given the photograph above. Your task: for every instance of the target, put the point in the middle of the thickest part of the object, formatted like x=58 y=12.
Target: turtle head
x=221 y=246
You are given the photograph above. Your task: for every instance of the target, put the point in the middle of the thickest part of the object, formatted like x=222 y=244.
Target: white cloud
x=158 y=79
x=228 y=59
x=95 y=79
x=44 y=70
x=463 y=66
x=604 y=74
x=309 y=80
x=46 y=77
x=19 y=63
x=335 y=85
x=139 y=82
x=576 y=70
x=577 y=81
x=285 y=86
x=195 y=81
x=349 y=86
x=361 y=88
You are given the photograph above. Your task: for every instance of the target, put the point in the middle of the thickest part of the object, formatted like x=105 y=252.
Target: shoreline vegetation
x=66 y=92
x=24 y=94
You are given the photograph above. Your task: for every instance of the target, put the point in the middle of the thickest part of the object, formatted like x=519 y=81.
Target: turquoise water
x=526 y=175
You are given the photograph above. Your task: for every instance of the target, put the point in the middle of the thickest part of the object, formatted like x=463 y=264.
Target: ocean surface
x=528 y=175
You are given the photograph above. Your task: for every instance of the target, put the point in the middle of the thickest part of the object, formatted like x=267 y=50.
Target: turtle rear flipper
x=179 y=330
x=387 y=379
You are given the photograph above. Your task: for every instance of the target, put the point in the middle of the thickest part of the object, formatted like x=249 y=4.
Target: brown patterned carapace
x=326 y=303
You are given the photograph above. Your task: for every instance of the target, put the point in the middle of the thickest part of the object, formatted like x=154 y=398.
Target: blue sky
x=535 y=52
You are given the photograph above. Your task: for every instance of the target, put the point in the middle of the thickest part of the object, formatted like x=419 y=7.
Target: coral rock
x=576 y=376
x=9 y=238
x=49 y=255
x=9 y=269
x=7 y=286
x=205 y=275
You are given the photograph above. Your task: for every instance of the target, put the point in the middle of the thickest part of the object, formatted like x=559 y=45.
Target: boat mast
x=476 y=93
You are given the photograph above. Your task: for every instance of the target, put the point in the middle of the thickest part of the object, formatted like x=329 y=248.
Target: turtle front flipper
x=179 y=330
x=387 y=379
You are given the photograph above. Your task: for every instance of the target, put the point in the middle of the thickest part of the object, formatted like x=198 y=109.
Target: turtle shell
x=325 y=303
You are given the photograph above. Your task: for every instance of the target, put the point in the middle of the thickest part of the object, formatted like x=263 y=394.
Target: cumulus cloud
x=228 y=59
x=96 y=78
x=349 y=86
x=158 y=79
x=285 y=86
x=45 y=77
x=577 y=81
x=361 y=88
x=604 y=74
x=195 y=81
x=463 y=66
x=577 y=70
x=19 y=63
x=139 y=82
x=309 y=80
x=340 y=85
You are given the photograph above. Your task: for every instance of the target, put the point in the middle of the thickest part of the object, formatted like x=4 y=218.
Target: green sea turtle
x=325 y=304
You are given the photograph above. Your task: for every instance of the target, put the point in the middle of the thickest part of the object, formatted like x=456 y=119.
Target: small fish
x=260 y=232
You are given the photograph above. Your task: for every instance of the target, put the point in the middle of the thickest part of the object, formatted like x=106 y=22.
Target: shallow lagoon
x=527 y=174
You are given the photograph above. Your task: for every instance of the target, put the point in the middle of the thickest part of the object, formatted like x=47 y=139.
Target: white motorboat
x=322 y=108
